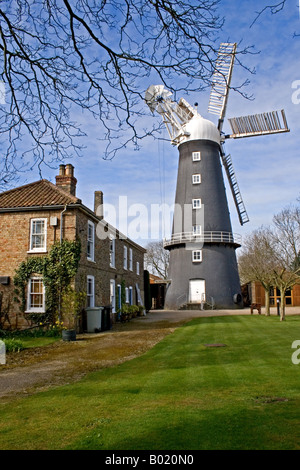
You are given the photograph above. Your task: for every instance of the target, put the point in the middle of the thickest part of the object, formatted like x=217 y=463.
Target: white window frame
x=130 y=295
x=43 y=248
x=119 y=289
x=138 y=268
x=196 y=178
x=91 y=241
x=126 y=295
x=197 y=256
x=139 y=298
x=112 y=286
x=196 y=203
x=196 y=156
x=30 y=308
x=197 y=230
x=130 y=259
x=90 y=294
x=125 y=259
x=112 y=253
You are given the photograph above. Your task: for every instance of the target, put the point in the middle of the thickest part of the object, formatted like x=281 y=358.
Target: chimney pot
x=69 y=170
x=62 y=170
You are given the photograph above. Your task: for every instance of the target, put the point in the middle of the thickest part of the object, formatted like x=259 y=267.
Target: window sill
x=37 y=251
x=35 y=311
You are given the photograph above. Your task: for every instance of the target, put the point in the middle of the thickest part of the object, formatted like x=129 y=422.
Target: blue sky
x=267 y=168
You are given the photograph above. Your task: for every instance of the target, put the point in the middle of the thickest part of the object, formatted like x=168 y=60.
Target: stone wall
x=15 y=248
x=101 y=268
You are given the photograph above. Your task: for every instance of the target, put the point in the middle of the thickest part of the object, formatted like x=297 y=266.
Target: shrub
x=13 y=345
x=43 y=329
x=131 y=311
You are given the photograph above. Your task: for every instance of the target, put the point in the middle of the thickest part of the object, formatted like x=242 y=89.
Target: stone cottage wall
x=100 y=268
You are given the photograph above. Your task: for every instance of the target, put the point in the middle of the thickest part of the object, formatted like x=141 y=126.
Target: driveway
x=62 y=362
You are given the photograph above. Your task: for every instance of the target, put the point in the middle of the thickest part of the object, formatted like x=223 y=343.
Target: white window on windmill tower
x=196 y=156
x=197 y=256
x=197 y=230
x=196 y=203
x=196 y=178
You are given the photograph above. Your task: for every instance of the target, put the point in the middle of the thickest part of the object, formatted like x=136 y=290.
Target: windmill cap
x=201 y=129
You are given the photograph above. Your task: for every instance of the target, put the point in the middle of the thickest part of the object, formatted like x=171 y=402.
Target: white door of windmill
x=197 y=291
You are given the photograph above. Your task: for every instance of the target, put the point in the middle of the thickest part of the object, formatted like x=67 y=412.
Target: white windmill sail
x=217 y=105
x=235 y=190
x=272 y=122
x=221 y=81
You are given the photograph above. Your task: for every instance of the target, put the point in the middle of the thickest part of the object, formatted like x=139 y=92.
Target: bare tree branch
x=157 y=259
x=272 y=255
x=275 y=8
x=62 y=59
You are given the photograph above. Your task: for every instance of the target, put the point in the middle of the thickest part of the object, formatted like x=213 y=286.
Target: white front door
x=197 y=290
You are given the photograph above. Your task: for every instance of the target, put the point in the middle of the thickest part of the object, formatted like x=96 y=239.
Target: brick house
x=34 y=216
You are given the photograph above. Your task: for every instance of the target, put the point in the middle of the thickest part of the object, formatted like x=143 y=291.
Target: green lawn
x=181 y=395
x=36 y=342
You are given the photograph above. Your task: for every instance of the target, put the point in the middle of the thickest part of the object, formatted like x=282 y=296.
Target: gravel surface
x=63 y=362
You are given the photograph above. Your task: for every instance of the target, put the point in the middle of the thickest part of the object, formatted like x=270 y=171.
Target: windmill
x=203 y=266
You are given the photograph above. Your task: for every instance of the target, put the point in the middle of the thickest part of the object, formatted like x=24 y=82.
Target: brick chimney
x=66 y=180
x=98 y=204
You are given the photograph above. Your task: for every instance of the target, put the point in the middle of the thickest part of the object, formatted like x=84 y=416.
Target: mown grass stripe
x=179 y=395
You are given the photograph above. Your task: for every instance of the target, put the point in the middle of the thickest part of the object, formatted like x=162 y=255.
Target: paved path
x=181 y=315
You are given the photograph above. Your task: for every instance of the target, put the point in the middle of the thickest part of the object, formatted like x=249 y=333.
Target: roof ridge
x=22 y=187
x=53 y=186
x=35 y=194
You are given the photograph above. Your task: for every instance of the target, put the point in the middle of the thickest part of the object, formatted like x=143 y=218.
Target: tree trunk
x=282 y=304
x=267 y=302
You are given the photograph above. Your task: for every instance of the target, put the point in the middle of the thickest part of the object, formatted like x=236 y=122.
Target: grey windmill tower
x=203 y=265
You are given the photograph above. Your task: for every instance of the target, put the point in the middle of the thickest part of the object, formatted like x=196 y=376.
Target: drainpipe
x=61 y=238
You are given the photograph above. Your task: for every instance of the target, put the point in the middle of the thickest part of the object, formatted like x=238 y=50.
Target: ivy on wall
x=57 y=269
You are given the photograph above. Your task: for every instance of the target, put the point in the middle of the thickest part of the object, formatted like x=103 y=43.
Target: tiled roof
x=41 y=193
x=155 y=279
